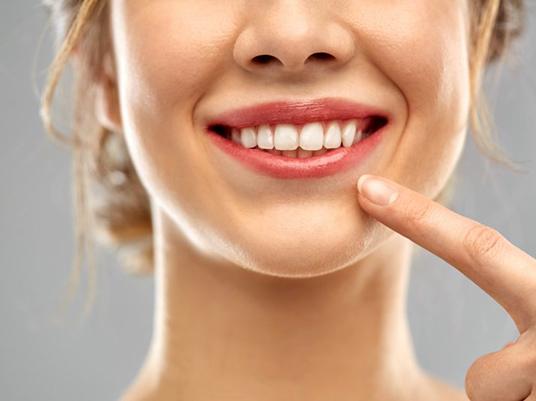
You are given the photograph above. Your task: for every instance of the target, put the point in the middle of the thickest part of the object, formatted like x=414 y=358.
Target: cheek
x=167 y=53
x=422 y=48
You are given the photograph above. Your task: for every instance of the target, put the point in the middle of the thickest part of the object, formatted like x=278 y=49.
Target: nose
x=292 y=37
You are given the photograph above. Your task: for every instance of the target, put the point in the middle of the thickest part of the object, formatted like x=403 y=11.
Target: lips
x=297 y=113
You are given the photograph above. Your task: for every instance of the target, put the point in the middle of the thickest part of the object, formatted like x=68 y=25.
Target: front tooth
x=348 y=133
x=286 y=137
x=249 y=137
x=332 y=139
x=265 y=138
x=236 y=135
x=312 y=136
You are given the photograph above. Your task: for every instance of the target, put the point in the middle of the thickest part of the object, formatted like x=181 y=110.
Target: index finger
x=478 y=251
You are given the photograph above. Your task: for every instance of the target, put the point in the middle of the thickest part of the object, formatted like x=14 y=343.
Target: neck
x=221 y=330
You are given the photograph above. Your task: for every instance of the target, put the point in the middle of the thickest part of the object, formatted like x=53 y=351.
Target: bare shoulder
x=441 y=391
x=138 y=391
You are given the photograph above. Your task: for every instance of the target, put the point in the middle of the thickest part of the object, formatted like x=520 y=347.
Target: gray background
x=453 y=321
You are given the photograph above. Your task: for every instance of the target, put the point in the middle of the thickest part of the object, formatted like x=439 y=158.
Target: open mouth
x=305 y=140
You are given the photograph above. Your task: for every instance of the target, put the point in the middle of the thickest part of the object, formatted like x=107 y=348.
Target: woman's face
x=180 y=63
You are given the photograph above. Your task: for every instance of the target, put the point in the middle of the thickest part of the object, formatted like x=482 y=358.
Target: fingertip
x=360 y=182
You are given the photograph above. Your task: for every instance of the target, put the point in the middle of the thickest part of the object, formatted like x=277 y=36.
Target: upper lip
x=296 y=112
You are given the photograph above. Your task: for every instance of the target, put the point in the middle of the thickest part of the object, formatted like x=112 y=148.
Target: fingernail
x=376 y=190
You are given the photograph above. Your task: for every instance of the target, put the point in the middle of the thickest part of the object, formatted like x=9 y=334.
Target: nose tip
x=293 y=47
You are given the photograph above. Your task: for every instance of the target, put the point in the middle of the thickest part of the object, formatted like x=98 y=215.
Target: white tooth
x=302 y=154
x=249 y=137
x=265 y=138
x=312 y=136
x=236 y=135
x=358 y=136
x=332 y=139
x=290 y=153
x=348 y=133
x=286 y=137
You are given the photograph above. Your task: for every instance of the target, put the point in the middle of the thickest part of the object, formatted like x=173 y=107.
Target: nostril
x=323 y=56
x=262 y=59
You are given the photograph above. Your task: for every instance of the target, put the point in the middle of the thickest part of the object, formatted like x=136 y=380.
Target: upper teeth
x=311 y=136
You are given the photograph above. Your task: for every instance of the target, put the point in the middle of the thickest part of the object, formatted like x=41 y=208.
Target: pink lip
x=298 y=113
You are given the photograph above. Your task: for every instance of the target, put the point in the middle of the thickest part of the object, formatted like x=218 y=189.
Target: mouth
x=271 y=138
x=303 y=139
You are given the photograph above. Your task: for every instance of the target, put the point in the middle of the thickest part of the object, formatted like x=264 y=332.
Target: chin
x=307 y=253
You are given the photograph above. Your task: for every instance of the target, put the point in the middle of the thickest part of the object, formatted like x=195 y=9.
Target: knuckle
x=531 y=363
x=528 y=342
x=474 y=383
x=523 y=351
x=482 y=242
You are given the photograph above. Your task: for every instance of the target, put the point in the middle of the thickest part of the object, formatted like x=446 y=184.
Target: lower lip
x=279 y=166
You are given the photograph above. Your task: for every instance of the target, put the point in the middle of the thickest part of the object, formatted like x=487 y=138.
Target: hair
x=110 y=203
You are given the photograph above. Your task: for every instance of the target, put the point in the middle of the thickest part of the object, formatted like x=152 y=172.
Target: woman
x=288 y=154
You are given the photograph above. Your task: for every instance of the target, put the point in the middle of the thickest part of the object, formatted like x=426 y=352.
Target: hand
x=486 y=257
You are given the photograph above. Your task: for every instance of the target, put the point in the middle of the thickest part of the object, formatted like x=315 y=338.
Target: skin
x=250 y=299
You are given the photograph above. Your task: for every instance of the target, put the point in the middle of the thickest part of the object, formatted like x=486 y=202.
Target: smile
x=298 y=146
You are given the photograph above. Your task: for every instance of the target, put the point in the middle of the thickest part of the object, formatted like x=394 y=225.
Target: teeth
x=311 y=139
x=286 y=137
x=348 y=134
x=358 y=136
x=312 y=136
x=332 y=139
x=265 y=138
x=290 y=153
x=236 y=135
x=274 y=152
x=249 y=137
x=302 y=154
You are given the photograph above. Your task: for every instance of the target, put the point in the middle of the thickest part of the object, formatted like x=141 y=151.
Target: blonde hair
x=110 y=202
